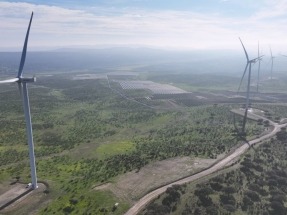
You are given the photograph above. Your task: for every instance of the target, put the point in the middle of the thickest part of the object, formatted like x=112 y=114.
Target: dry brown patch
x=102 y=186
x=132 y=185
x=28 y=204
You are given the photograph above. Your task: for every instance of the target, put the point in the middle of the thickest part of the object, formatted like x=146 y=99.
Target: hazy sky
x=169 y=24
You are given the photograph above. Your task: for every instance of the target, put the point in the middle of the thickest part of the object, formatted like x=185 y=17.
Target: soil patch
x=133 y=185
x=27 y=204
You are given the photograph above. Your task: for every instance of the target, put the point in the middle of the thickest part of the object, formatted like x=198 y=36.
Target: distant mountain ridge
x=69 y=59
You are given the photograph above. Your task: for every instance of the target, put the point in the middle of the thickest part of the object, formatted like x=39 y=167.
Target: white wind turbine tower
x=248 y=64
x=259 y=62
x=22 y=85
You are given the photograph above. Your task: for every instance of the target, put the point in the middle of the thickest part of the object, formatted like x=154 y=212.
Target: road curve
x=138 y=206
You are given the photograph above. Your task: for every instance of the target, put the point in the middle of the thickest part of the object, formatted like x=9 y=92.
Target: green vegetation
x=273 y=112
x=86 y=135
x=257 y=186
x=109 y=149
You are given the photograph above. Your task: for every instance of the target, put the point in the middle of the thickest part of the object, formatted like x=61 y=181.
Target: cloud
x=58 y=26
x=272 y=9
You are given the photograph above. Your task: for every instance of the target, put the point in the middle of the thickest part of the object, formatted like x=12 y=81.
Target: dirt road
x=225 y=161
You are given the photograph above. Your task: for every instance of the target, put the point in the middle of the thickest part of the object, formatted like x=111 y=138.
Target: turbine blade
x=244 y=50
x=243 y=76
x=283 y=55
x=23 y=57
x=12 y=80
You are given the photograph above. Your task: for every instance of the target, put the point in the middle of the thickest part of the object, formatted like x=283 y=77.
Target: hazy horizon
x=143 y=59
x=185 y=25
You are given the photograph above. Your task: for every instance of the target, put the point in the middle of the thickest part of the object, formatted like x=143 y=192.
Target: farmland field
x=152 y=86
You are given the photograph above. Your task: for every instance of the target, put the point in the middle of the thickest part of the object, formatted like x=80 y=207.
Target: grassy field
x=110 y=149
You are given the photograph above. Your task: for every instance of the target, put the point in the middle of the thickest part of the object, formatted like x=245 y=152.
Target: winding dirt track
x=138 y=206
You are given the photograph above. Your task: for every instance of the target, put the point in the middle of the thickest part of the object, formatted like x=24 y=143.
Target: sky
x=163 y=24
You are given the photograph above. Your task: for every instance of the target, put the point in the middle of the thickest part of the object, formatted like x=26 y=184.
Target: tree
x=230 y=208
x=278 y=208
x=255 y=187
x=252 y=195
x=203 y=191
x=281 y=135
x=278 y=198
x=260 y=122
x=246 y=202
x=212 y=210
x=216 y=186
x=227 y=200
x=205 y=201
x=266 y=123
x=155 y=209
x=229 y=190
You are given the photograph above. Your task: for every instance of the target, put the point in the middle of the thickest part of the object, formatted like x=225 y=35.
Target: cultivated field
x=155 y=88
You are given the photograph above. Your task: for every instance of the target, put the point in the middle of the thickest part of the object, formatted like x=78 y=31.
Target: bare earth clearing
x=133 y=185
x=14 y=191
x=26 y=203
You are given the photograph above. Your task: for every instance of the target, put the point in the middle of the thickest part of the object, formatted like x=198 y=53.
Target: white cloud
x=272 y=9
x=57 y=26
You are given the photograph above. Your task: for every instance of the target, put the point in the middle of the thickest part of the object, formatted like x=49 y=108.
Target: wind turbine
x=22 y=85
x=272 y=58
x=259 y=62
x=248 y=64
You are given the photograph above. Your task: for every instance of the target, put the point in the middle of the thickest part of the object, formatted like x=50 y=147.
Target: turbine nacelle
x=19 y=80
x=27 y=80
x=256 y=59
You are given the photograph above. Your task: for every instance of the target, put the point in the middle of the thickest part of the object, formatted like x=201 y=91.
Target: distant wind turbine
x=259 y=62
x=248 y=64
x=22 y=85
